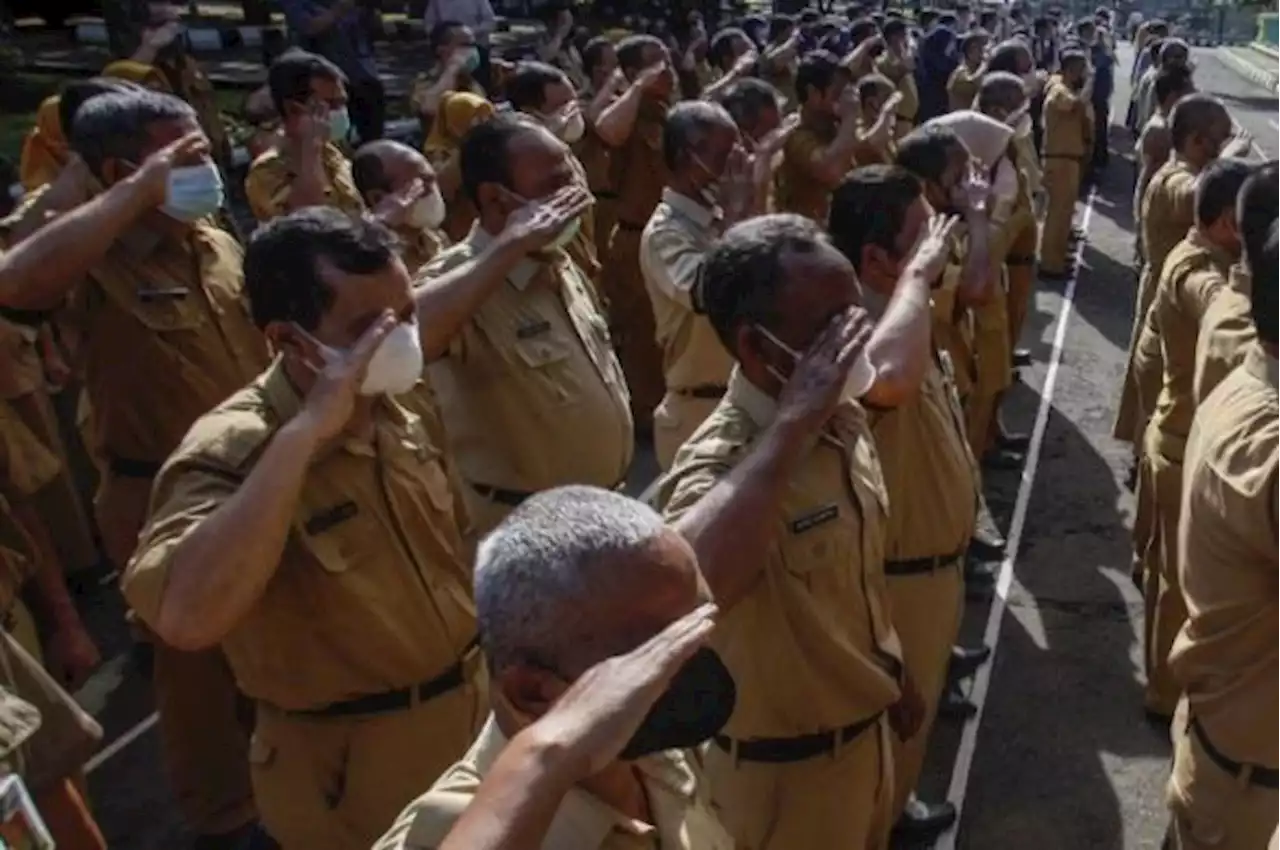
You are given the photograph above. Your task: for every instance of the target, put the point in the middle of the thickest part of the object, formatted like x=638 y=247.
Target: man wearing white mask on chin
x=521 y=360
x=344 y=605
x=166 y=338
x=385 y=169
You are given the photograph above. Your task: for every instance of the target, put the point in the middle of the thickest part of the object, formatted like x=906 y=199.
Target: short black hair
x=874 y=85
x=289 y=77
x=1072 y=56
x=593 y=53
x=1169 y=45
x=817 y=70
x=926 y=151
x=1217 y=188
x=1000 y=89
x=1260 y=232
x=367 y=171
x=441 y=33
x=282 y=272
x=927 y=16
x=631 y=51
x=1005 y=56
x=718 y=51
x=894 y=27
x=1153 y=48
x=526 y=87
x=117 y=125
x=687 y=126
x=863 y=29
x=1193 y=115
x=482 y=157
x=971 y=39
x=779 y=24
x=76 y=92
x=1172 y=81
x=870 y=207
x=749 y=97
x=743 y=276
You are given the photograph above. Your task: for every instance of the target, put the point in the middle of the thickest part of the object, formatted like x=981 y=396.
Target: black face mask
x=696 y=705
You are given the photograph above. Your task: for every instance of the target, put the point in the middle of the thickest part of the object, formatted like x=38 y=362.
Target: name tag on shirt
x=813 y=519
x=327 y=519
x=532 y=329
x=175 y=293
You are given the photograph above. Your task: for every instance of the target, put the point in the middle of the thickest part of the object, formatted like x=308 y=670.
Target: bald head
x=578 y=574
x=1199 y=127
x=383 y=167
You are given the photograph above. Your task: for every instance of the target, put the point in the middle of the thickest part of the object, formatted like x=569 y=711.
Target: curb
x=1267 y=79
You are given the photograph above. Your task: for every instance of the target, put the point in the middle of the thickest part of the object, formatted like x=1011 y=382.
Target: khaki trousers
x=1132 y=414
x=1021 y=264
x=1166 y=609
x=631 y=323
x=926 y=610
x=993 y=362
x=835 y=802
x=1062 y=185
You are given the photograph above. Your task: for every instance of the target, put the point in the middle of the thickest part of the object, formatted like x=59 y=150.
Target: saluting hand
x=393 y=210
x=152 y=177
x=595 y=718
x=816 y=384
x=537 y=223
x=933 y=248
x=332 y=400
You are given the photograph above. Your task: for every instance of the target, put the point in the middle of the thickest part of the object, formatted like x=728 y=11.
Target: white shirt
x=477 y=14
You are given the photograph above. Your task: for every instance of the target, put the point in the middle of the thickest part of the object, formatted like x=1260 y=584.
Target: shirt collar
x=582 y=820
x=1219 y=257
x=691 y=209
x=1239 y=279
x=751 y=399
x=521 y=275
x=1262 y=365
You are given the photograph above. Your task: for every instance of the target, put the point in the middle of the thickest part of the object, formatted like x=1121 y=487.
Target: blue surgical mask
x=472 y=61
x=194 y=191
x=339 y=124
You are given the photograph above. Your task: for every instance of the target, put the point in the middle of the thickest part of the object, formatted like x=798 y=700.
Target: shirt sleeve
x=674 y=261
x=1225 y=335
x=26 y=466
x=1148 y=359
x=266 y=187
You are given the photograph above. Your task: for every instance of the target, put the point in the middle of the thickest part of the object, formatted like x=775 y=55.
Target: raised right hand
x=649 y=78
x=933 y=248
x=332 y=400
x=816 y=384
x=152 y=177
x=537 y=223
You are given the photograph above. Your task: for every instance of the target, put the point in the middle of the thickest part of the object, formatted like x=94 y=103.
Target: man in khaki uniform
x=385 y=168
x=605 y=85
x=782 y=495
x=344 y=610
x=632 y=127
x=167 y=336
x=965 y=80
x=1226 y=331
x=530 y=391
x=706 y=192
x=570 y=616
x=820 y=151
x=1222 y=791
x=307 y=168
x=899 y=65
x=1194 y=274
x=1155 y=142
x=876 y=216
x=1068 y=141
x=1199 y=128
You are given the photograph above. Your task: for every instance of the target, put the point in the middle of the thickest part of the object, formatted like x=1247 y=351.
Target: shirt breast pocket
x=340 y=536
x=820 y=545
x=547 y=360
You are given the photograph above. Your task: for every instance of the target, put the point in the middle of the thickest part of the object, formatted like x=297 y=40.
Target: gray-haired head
x=575 y=575
x=126 y=126
x=690 y=131
x=755 y=105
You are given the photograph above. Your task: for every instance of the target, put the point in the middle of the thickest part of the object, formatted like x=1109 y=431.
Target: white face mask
x=428 y=212
x=564 y=237
x=395 y=367
x=861 y=377
x=573 y=129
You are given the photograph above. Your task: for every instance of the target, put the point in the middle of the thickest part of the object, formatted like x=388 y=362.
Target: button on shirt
x=682 y=815
x=531 y=392
x=372 y=593
x=672 y=249
x=1226 y=654
x=811 y=646
x=167 y=337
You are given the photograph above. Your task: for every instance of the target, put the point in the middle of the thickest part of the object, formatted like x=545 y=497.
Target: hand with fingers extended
x=597 y=716
x=652 y=78
x=738 y=187
x=933 y=248
x=773 y=141
x=310 y=130
x=331 y=401
x=816 y=385
x=393 y=210
x=536 y=224
x=972 y=194
x=151 y=179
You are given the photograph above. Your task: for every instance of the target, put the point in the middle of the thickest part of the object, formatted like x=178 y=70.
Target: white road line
x=106 y=753
x=982 y=681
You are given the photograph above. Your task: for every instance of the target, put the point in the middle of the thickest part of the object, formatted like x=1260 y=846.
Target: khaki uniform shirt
x=962 y=88
x=1068 y=123
x=672 y=248
x=1029 y=162
x=530 y=390
x=270 y=180
x=679 y=802
x=639 y=170
x=811 y=647
x=1194 y=273
x=1168 y=211
x=372 y=593
x=1226 y=655
x=900 y=74
x=26 y=467
x=929 y=473
x=1159 y=123
x=798 y=189
x=1226 y=332
x=419 y=246
x=167 y=337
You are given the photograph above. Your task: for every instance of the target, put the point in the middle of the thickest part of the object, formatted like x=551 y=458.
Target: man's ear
x=528 y=690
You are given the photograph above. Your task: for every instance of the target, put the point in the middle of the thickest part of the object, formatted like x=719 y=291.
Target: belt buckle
x=471 y=663
x=837 y=743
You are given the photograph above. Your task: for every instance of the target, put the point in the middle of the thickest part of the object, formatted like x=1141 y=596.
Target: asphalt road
x=1060 y=755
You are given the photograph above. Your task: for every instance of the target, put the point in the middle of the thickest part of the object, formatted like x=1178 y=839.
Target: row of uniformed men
x=1200 y=408
x=173 y=300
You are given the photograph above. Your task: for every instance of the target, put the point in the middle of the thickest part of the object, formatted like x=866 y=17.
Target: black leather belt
x=1020 y=260
x=1264 y=777
x=626 y=225
x=917 y=566
x=402 y=699
x=801 y=748
x=704 y=391
x=129 y=468
x=510 y=498
x=606 y=196
x=30 y=318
